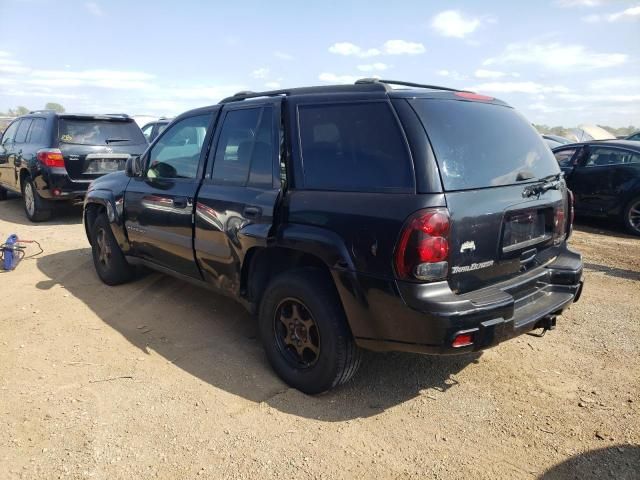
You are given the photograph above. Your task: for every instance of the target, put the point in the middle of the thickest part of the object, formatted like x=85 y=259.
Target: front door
x=159 y=205
x=7 y=155
x=236 y=204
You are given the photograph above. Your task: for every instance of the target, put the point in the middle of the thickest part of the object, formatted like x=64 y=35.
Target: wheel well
x=263 y=264
x=24 y=173
x=91 y=212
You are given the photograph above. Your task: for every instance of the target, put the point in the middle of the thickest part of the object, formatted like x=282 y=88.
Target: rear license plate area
x=104 y=165
x=524 y=229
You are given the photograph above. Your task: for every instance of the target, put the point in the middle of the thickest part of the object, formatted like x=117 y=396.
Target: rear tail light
x=462 y=340
x=51 y=157
x=572 y=213
x=423 y=248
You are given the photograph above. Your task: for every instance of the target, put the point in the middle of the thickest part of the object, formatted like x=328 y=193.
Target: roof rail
x=117 y=115
x=42 y=111
x=406 y=84
x=358 y=87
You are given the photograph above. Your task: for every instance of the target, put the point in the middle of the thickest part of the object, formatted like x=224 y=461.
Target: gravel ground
x=158 y=379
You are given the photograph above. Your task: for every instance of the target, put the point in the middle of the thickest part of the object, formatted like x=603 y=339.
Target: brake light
x=423 y=248
x=462 y=340
x=559 y=224
x=572 y=212
x=474 y=96
x=51 y=157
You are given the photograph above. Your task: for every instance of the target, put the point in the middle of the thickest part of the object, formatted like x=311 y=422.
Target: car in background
x=51 y=158
x=555 y=140
x=152 y=129
x=604 y=177
x=635 y=137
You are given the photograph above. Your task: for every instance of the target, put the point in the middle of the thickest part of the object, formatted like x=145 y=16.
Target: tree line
x=566 y=131
x=22 y=110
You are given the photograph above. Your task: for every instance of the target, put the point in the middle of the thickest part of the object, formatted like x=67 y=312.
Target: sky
x=560 y=62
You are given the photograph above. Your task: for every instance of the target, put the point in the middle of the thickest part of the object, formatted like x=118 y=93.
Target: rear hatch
x=96 y=145
x=491 y=161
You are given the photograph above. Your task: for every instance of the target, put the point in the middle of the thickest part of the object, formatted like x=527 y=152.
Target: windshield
x=100 y=132
x=483 y=145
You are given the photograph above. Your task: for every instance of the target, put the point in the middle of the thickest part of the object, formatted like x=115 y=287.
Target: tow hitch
x=547 y=323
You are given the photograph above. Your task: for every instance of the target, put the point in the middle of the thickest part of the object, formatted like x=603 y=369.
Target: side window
x=635 y=137
x=601 y=157
x=564 y=157
x=10 y=132
x=37 y=131
x=146 y=131
x=177 y=153
x=244 y=154
x=353 y=147
x=21 y=134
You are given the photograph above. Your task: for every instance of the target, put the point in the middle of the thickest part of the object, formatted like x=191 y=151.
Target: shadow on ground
x=214 y=338
x=602 y=226
x=613 y=271
x=13 y=211
x=620 y=462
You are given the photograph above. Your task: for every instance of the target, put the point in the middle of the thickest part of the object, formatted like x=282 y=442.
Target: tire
x=35 y=207
x=110 y=264
x=326 y=355
x=632 y=216
x=3 y=194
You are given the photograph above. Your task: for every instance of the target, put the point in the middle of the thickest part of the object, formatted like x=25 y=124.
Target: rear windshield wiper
x=114 y=140
x=541 y=185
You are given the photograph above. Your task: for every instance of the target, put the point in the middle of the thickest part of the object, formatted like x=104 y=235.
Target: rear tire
x=108 y=259
x=3 y=194
x=305 y=333
x=632 y=216
x=36 y=208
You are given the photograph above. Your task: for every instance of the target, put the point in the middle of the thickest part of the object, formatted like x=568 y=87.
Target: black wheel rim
x=634 y=216
x=296 y=333
x=103 y=248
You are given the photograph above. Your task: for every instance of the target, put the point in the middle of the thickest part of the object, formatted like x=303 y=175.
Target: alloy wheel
x=296 y=333
x=634 y=216
x=104 y=250
x=29 y=200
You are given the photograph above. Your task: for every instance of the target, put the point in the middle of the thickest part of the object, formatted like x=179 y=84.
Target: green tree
x=20 y=110
x=56 y=107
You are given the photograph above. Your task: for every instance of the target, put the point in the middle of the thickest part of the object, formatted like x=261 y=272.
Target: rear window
x=353 y=147
x=100 y=132
x=483 y=145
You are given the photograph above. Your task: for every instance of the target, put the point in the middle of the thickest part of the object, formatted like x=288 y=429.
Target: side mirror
x=133 y=167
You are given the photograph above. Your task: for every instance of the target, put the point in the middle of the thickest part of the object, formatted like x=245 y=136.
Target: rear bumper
x=55 y=184
x=426 y=318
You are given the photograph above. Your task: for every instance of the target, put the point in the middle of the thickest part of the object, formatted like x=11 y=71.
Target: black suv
x=354 y=216
x=51 y=157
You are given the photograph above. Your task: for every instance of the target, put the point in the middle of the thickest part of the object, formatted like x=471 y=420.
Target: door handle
x=252 y=212
x=181 y=202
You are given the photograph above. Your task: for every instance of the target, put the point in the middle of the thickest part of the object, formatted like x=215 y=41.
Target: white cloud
x=630 y=14
x=617 y=83
x=556 y=56
x=10 y=65
x=282 y=55
x=378 y=66
x=453 y=74
x=597 y=98
x=349 y=49
x=260 y=73
x=334 y=78
x=483 y=73
x=390 y=47
x=402 y=47
x=518 y=87
x=580 y=3
x=273 y=85
x=94 y=9
x=96 y=78
x=451 y=23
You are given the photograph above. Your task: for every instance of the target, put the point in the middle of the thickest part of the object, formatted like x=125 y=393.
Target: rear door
x=488 y=155
x=159 y=205
x=600 y=177
x=236 y=203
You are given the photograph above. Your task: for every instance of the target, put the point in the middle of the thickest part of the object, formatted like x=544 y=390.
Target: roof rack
x=41 y=111
x=364 y=81
x=360 y=87
x=117 y=115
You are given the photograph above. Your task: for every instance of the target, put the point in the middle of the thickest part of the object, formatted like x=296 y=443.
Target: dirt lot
x=157 y=379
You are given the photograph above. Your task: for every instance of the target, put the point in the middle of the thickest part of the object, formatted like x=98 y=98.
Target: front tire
x=305 y=333
x=36 y=208
x=108 y=259
x=632 y=216
x=3 y=193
